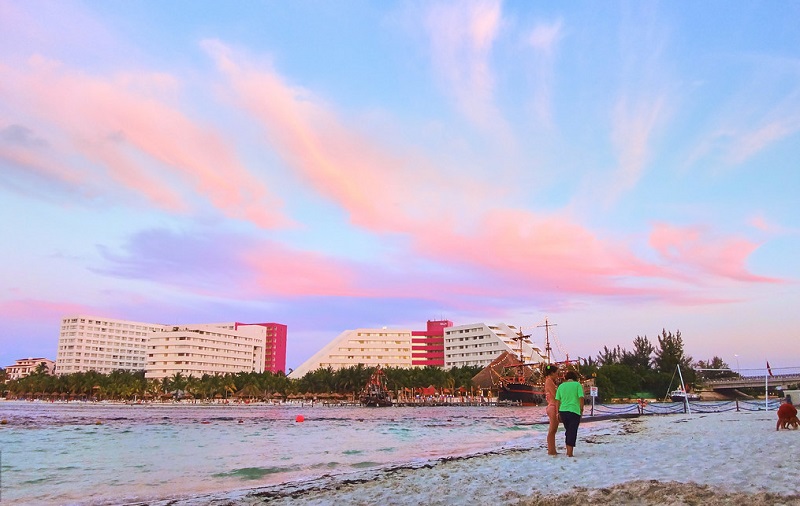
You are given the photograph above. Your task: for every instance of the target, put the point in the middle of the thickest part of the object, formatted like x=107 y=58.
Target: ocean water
x=92 y=454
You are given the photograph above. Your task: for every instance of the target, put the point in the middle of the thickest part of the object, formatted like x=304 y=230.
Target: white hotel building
x=88 y=343
x=205 y=349
x=477 y=344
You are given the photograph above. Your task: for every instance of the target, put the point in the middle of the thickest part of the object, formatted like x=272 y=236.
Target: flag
x=769 y=369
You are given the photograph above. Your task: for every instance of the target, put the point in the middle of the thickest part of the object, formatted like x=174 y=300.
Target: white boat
x=681 y=396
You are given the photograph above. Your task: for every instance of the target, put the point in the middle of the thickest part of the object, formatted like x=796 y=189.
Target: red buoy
x=300 y=418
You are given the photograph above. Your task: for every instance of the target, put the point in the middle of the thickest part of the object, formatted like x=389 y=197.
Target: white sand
x=710 y=459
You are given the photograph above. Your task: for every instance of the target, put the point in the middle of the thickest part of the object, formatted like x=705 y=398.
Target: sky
x=616 y=168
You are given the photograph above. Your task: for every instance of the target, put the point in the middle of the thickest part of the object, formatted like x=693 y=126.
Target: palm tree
x=192 y=386
x=176 y=384
x=152 y=388
x=229 y=385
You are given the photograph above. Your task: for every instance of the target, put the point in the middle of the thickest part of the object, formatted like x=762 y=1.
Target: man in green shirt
x=569 y=402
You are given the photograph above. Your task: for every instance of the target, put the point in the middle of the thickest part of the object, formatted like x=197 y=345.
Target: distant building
x=427 y=346
x=195 y=350
x=27 y=366
x=89 y=343
x=478 y=344
x=368 y=347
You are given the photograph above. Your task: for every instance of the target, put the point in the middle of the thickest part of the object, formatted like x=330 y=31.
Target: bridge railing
x=777 y=378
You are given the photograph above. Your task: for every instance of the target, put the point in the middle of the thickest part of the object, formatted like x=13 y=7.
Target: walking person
x=569 y=402
x=550 y=371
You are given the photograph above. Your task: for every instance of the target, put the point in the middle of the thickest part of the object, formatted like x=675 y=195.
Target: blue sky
x=617 y=167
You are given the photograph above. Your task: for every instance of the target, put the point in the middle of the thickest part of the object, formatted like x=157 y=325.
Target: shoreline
x=719 y=458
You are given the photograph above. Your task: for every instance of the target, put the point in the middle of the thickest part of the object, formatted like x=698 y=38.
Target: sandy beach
x=710 y=459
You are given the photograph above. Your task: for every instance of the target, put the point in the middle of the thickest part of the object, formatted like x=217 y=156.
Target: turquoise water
x=83 y=453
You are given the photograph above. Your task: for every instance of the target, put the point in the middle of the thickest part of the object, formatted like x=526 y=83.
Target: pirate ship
x=519 y=384
x=375 y=393
x=516 y=381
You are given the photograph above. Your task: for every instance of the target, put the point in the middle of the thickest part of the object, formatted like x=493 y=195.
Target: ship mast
x=520 y=336
x=547 y=347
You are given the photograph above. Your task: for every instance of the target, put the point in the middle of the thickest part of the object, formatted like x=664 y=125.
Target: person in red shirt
x=787 y=415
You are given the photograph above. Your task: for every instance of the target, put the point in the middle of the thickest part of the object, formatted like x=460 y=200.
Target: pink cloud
x=39 y=310
x=202 y=262
x=454 y=227
x=382 y=190
x=126 y=128
x=526 y=252
x=694 y=250
x=275 y=270
x=34 y=162
x=760 y=222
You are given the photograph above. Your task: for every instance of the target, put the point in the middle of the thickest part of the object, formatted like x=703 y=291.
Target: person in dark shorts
x=569 y=402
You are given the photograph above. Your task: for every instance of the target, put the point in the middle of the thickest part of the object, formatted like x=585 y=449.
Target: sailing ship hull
x=520 y=393
x=375 y=401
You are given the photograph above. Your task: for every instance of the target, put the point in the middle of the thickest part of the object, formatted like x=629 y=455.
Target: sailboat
x=681 y=395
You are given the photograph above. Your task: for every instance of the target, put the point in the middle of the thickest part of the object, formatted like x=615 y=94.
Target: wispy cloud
x=634 y=121
x=774 y=129
x=643 y=103
x=763 y=112
x=544 y=39
x=462 y=35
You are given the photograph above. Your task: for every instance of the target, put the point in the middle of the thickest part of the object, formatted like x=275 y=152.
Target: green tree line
x=649 y=369
x=127 y=386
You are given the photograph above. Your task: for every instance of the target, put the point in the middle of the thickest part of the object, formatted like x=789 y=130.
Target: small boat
x=375 y=393
x=681 y=396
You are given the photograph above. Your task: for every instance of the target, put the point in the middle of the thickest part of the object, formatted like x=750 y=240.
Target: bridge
x=778 y=380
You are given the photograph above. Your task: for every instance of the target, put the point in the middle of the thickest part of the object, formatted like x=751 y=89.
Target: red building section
x=275 y=350
x=427 y=346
